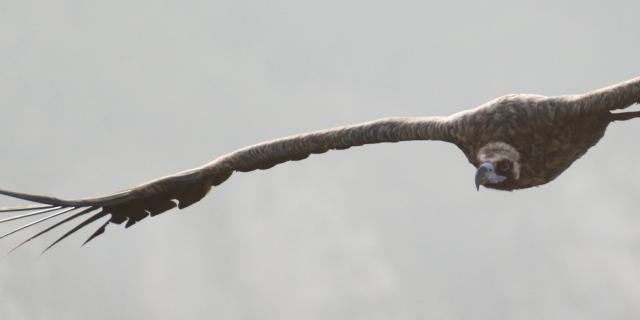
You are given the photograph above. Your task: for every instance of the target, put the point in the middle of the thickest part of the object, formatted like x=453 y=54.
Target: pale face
x=499 y=164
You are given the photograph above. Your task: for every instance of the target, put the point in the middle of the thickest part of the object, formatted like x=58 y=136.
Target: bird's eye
x=504 y=166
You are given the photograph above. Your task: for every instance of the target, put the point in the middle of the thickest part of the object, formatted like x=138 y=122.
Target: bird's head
x=498 y=166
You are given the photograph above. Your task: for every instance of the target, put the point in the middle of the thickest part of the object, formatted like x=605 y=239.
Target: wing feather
x=31 y=214
x=76 y=228
x=81 y=213
x=51 y=216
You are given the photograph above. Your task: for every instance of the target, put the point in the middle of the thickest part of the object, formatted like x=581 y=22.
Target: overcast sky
x=100 y=96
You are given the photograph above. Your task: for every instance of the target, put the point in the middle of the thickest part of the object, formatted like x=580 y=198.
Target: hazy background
x=99 y=96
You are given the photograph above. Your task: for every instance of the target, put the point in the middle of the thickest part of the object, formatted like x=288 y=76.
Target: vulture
x=515 y=141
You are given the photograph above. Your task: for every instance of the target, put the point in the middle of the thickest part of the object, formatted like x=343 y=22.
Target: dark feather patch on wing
x=158 y=207
x=97 y=232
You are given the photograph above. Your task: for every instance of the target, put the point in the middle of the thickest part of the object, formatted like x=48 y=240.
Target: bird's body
x=515 y=141
x=548 y=134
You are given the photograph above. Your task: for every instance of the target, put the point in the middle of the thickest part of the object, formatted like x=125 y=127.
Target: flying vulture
x=515 y=141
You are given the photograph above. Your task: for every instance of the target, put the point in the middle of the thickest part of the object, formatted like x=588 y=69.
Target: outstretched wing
x=185 y=188
x=617 y=96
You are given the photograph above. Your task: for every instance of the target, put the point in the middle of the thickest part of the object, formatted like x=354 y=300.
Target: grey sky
x=99 y=96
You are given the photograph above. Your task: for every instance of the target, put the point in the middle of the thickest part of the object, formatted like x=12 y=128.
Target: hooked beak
x=487 y=174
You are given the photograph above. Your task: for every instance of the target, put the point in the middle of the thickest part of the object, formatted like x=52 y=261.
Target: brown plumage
x=516 y=141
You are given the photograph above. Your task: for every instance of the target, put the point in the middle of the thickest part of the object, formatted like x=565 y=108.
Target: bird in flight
x=515 y=141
